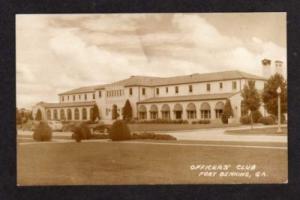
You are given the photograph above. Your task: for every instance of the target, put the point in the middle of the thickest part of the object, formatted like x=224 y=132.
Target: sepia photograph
x=151 y=98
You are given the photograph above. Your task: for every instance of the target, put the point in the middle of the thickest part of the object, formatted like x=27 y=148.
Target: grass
x=176 y=127
x=96 y=163
x=258 y=131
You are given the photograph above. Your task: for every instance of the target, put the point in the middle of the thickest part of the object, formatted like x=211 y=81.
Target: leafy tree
x=127 y=111
x=38 y=116
x=95 y=113
x=115 y=113
x=251 y=98
x=227 y=112
x=269 y=95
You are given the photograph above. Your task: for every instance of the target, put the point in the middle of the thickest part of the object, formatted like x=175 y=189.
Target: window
x=76 y=114
x=208 y=87
x=190 y=88
x=167 y=89
x=68 y=98
x=221 y=85
x=176 y=89
x=93 y=96
x=84 y=114
x=99 y=94
x=157 y=91
x=143 y=91
x=62 y=98
x=130 y=91
x=85 y=96
x=73 y=97
x=234 y=85
x=79 y=96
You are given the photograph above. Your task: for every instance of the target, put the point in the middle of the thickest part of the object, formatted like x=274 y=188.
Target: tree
x=18 y=117
x=251 y=98
x=115 y=113
x=38 y=116
x=227 y=113
x=269 y=95
x=127 y=111
x=95 y=113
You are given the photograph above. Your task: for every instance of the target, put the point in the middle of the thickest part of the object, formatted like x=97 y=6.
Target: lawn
x=94 y=163
x=176 y=127
x=258 y=131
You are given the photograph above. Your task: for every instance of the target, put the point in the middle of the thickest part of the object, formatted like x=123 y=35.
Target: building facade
x=190 y=97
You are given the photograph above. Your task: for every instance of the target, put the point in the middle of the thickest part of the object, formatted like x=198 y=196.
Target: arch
x=142 y=108
x=76 y=114
x=142 y=112
x=191 y=111
x=219 y=109
x=205 y=106
x=48 y=114
x=84 y=114
x=153 y=112
x=165 y=108
x=191 y=107
x=205 y=111
x=177 y=107
x=62 y=114
x=219 y=106
x=165 y=111
x=55 y=114
x=69 y=114
x=178 y=111
x=153 y=108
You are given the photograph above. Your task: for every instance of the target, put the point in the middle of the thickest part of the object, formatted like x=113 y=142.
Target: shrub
x=152 y=136
x=227 y=112
x=119 y=131
x=202 y=121
x=42 y=132
x=81 y=132
x=267 y=120
x=99 y=136
x=256 y=115
x=245 y=119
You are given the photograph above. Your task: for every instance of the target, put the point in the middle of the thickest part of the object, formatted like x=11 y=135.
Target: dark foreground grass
x=124 y=163
x=258 y=131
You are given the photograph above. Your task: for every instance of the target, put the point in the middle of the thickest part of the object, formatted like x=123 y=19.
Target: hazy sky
x=56 y=53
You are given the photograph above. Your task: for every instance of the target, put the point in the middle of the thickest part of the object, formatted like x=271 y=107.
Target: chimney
x=266 y=67
x=278 y=67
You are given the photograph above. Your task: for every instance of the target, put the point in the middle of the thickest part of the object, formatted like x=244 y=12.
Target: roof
x=161 y=81
x=188 y=98
x=73 y=104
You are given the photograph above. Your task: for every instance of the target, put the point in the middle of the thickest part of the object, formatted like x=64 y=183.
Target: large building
x=190 y=97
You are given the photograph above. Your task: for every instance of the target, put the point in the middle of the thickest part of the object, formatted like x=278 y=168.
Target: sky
x=56 y=53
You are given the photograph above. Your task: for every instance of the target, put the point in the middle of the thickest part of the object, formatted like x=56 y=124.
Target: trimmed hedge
x=256 y=115
x=152 y=136
x=119 y=131
x=42 y=132
x=245 y=119
x=81 y=132
x=203 y=121
x=269 y=120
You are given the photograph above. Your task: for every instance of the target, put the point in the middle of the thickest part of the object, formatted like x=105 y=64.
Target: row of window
x=79 y=96
x=208 y=87
x=204 y=114
x=69 y=114
x=114 y=93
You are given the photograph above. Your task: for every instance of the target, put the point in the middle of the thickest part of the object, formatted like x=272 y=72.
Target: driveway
x=218 y=134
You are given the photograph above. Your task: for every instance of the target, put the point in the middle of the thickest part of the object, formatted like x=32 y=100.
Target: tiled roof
x=160 y=81
x=188 y=98
x=72 y=104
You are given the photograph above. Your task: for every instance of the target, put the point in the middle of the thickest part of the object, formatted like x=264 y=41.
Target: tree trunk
x=251 y=120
